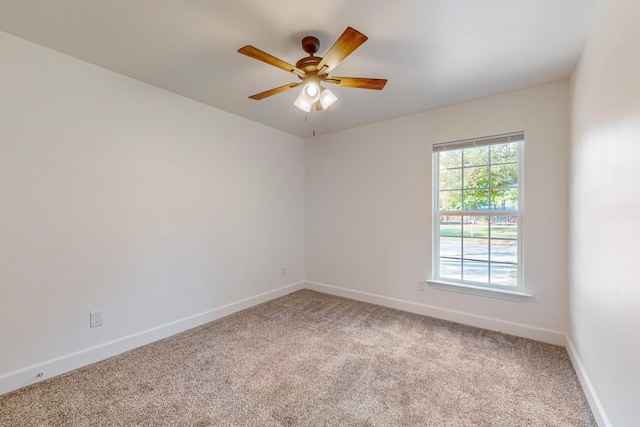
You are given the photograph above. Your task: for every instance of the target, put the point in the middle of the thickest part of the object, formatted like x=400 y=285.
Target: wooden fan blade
x=360 y=83
x=349 y=41
x=275 y=91
x=269 y=59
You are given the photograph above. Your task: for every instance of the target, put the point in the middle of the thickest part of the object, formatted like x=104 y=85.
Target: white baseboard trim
x=512 y=328
x=29 y=375
x=587 y=387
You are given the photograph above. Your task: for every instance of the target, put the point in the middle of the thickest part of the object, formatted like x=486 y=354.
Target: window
x=478 y=213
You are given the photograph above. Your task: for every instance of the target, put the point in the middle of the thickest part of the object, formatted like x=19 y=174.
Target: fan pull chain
x=314 y=120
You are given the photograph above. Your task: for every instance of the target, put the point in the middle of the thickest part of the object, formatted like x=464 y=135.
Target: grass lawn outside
x=502 y=231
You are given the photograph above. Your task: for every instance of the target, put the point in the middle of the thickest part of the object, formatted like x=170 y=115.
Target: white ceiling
x=433 y=52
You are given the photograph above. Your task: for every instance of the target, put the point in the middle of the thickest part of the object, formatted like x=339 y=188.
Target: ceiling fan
x=314 y=70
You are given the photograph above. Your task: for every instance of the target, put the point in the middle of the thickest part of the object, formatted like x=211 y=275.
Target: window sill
x=503 y=294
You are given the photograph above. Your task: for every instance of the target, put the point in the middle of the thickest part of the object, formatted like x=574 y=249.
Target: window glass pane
x=450 y=200
x=475 y=226
x=450 y=159
x=475 y=200
x=504 y=250
x=476 y=156
x=504 y=274
x=475 y=271
x=504 y=153
x=476 y=242
x=504 y=227
x=450 y=179
x=504 y=175
x=476 y=177
x=476 y=249
x=450 y=268
x=451 y=226
x=504 y=199
x=451 y=247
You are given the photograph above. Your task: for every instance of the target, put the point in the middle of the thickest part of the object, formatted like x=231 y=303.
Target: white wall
x=605 y=211
x=369 y=209
x=119 y=196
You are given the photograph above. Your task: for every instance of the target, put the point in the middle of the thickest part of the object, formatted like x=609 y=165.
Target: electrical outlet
x=422 y=285
x=283 y=271
x=95 y=318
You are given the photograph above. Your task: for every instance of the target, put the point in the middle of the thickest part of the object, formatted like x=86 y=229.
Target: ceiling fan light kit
x=327 y=98
x=311 y=91
x=302 y=104
x=314 y=70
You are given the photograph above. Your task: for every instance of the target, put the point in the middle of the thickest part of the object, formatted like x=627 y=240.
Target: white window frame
x=467 y=286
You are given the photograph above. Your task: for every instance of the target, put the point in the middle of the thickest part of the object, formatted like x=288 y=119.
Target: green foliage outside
x=479 y=178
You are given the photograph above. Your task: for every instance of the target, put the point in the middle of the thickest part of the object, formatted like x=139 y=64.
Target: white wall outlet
x=422 y=285
x=95 y=318
x=283 y=271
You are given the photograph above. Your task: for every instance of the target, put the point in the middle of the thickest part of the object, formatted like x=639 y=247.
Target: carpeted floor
x=310 y=359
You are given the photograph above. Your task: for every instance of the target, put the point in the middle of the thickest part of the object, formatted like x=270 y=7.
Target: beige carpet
x=311 y=359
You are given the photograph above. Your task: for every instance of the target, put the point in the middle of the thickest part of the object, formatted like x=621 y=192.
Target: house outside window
x=478 y=201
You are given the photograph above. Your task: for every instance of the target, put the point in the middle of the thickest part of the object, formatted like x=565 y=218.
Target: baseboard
x=29 y=375
x=493 y=324
x=587 y=387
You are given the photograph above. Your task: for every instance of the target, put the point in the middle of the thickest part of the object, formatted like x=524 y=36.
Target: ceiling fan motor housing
x=309 y=64
x=310 y=44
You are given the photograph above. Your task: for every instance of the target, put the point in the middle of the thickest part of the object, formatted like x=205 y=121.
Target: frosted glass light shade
x=327 y=98
x=311 y=92
x=302 y=103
